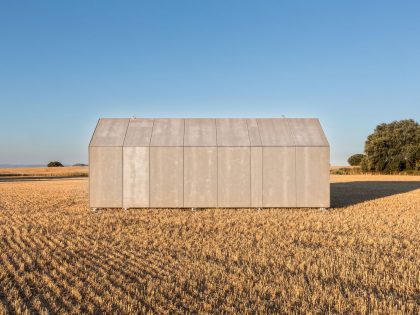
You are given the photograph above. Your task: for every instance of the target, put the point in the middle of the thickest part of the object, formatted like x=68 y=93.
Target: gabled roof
x=221 y=132
x=109 y=132
x=200 y=132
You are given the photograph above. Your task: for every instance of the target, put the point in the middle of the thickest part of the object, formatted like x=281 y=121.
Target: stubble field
x=43 y=172
x=361 y=256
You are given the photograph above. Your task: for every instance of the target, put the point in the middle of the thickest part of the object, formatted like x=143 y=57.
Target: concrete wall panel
x=313 y=176
x=232 y=132
x=279 y=181
x=168 y=132
x=135 y=177
x=105 y=177
x=166 y=177
x=307 y=132
x=200 y=132
x=139 y=132
x=256 y=177
x=254 y=133
x=200 y=177
x=275 y=132
x=234 y=177
x=110 y=132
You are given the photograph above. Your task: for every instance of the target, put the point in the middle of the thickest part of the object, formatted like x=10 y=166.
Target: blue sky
x=64 y=64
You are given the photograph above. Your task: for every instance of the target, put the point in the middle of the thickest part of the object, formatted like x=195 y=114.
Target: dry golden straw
x=363 y=256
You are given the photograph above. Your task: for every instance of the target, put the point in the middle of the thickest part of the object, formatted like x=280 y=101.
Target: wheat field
x=67 y=171
x=361 y=256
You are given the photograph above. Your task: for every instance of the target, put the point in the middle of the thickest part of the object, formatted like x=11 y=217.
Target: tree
x=393 y=147
x=355 y=159
x=55 y=164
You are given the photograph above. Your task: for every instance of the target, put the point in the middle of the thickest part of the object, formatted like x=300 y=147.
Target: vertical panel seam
x=262 y=165
x=122 y=164
x=262 y=177
x=122 y=176
x=150 y=142
x=295 y=159
x=250 y=168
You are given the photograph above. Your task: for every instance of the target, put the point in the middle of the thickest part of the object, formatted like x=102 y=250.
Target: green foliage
x=393 y=147
x=55 y=164
x=346 y=171
x=355 y=159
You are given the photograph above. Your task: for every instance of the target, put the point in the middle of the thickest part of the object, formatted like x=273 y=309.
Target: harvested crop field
x=7 y=174
x=362 y=256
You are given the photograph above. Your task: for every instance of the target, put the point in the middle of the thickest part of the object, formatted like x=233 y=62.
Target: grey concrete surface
x=136 y=177
x=253 y=132
x=200 y=132
x=279 y=180
x=232 y=132
x=275 y=132
x=166 y=177
x=200 y=177
x=313 y=176
x=256 y=177
x=168 y=132
x=200 y=162
x=105 y=177
x=234 y=177
x=139 y=132
x=307 y=132
x=109 y=132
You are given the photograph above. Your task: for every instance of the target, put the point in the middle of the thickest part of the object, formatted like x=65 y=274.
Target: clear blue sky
x=64 y=64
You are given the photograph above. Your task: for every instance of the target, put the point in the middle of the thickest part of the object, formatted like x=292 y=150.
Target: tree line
x=392 y=147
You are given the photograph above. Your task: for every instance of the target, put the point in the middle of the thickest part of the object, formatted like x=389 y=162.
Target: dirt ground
x=361 y=256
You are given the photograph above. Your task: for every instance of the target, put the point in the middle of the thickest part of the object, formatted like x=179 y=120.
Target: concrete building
x=203 y=163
